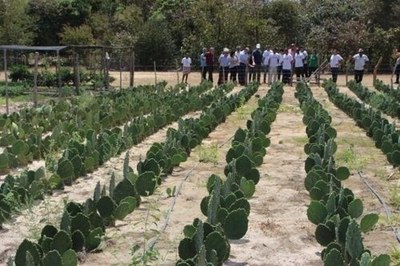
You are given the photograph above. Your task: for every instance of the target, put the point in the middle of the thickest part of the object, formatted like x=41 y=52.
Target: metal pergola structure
x=35 y=49
x=104 y=49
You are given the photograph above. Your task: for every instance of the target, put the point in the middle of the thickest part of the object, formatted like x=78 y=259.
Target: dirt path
x=279 y=231
x=358 y=152
x=134 y=229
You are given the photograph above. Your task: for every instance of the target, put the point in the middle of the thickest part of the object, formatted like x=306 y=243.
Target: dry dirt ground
x=279 y=231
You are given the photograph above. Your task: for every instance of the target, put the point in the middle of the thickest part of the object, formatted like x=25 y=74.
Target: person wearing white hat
x=360 y=60
x=223 y=61
x=257 y=60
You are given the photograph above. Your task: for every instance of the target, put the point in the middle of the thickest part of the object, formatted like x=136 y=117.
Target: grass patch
x=23 y=99
x=395 y=256
x=208 y=154
x=352 y=159
x=300 y=140
x=286 y=108
x=394 y=196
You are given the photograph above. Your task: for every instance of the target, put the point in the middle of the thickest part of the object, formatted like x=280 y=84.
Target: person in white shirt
x=305 y=67
x=186 y=63
x=299 y=64
x=334 y=63
x=233 y=66
x=273 y=63
x=265 y=59
x=223 y=61
x=287 y=60
x=360 y=60
x=243 y=63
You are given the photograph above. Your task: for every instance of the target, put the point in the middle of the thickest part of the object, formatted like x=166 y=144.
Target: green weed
x=208 y=154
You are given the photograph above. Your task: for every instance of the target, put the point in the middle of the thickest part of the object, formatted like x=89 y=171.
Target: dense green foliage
x=165 y=25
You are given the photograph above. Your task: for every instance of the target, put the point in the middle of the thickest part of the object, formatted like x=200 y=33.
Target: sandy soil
x=279 y=232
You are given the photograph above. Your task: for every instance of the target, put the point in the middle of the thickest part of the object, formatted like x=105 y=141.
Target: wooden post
x=155 y=72
x=132 y=70
x=76 y=72
x=375 y=73
x=35 y=75
x=107 y=79
x=59 y=74
x=6 y=78
x=347 y=71
x=120 y=71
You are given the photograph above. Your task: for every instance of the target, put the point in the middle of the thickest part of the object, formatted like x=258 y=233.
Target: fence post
x=35 y=75
x=132 y=70
x=59 y=74
x=155 y=72
x=5 y=77
x=120 y=71
x=375 y=73
x=76 y=72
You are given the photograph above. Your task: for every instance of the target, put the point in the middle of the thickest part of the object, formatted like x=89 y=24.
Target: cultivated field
x=279 y=232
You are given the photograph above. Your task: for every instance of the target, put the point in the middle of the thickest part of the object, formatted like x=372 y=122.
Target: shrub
x=20 y=73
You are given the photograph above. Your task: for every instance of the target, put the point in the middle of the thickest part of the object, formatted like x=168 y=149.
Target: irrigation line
x=165 y=225
x=223 y=144
x=387 y=211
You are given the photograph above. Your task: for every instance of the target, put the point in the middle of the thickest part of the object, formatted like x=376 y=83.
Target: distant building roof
x=32 y=48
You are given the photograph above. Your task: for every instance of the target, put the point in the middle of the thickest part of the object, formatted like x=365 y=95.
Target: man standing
x=287 y=60
x=203 y=63
x=243 y=60
x=273 y=66
x=334 y=63
x=210 y=63
x=265 y=59
x=360 y=60
x=257 y=60
x=223 y=61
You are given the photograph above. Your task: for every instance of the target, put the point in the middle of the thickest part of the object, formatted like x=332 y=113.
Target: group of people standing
x=242 y=65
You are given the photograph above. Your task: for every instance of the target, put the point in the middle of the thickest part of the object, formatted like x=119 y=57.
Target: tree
x=81 y=35
x=154 y=44
x=16 y=27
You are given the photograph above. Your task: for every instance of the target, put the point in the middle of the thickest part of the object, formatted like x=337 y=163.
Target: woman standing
x=233 y=64
x=186 y=63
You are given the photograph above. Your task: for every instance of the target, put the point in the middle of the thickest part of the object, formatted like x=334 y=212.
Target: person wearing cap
x=257 y=57
x=334 y=63
x=360 y=60
x=223 y=61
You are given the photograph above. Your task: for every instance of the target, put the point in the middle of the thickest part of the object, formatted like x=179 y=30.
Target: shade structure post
x=6 y=78
x=35 y=76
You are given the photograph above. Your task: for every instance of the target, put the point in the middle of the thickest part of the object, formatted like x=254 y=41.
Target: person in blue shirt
x=257 y=58
x=203 y=65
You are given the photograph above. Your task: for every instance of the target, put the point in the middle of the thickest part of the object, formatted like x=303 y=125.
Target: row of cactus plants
x=384 y=133
x=83 y=225
x=381 y=101
x=227 y=208
x=379 y=85
x=84 y=157
x=334 y=209
x=76 y=120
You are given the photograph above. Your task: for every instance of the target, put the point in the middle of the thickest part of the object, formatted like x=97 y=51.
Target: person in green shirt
x=313 y=61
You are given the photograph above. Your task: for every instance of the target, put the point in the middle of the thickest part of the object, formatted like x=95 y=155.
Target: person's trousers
x=305 y=70
x=358 y=75
x=279 y=70
x=203 y=72
x=311 y=70
x=272 y=74
x=242 y=74
x=233 y=73
x=299 y=73
x=266 y=70
x=210 y=70
x=223 y=75
x=334 y=72
x=257 y=72
x=286 y=76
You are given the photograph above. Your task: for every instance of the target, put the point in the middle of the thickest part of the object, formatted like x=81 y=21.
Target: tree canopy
x=163 y=30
